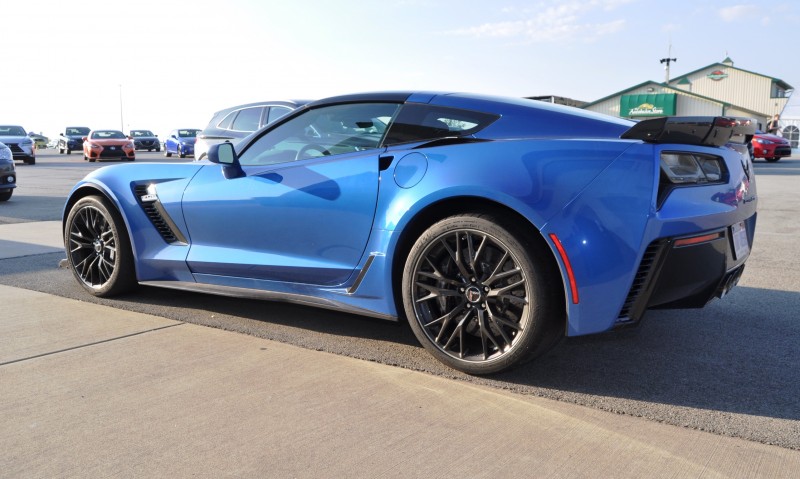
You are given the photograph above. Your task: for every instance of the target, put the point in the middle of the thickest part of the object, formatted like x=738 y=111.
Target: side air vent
x=634 y=306
x=152 y=207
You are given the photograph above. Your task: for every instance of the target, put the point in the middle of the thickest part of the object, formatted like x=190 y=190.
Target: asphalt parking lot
x=728 y=375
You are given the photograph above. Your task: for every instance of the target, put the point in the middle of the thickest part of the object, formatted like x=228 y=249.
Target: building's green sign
x=662 y=104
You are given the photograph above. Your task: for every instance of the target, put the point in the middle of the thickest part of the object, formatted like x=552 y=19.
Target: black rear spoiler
x=693 y=130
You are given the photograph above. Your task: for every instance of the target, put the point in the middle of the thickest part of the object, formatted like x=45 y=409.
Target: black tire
x=92 y=160
x=85 y=158
x=772 y=160
x=149 y=149
x=167 y=153
x=479 y=296
x=6 y=196
x=181 y=153
x=69 y=152
x=98 y=248
x=31 y=161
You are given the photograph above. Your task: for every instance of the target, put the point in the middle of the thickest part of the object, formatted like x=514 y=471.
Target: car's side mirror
x=225 y=155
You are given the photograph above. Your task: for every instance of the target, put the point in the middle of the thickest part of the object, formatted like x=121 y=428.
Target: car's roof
x=287 y=103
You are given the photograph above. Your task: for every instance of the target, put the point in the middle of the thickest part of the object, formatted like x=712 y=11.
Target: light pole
x=121 y=123
x=667 y=61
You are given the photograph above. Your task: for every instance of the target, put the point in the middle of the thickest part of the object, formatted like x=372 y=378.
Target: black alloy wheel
x=479 y=296
x=98 y=249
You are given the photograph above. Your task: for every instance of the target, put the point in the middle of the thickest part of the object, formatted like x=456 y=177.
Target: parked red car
x=770 y=147
x=108 y=144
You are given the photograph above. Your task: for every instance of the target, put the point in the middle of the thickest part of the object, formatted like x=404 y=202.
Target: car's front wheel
x=478 y=294
x=181 y=153
x=98 y=249
x=6 y=195
x=772 y=160
x=167 y=153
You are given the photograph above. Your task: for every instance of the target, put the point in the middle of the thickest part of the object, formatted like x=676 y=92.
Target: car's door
x=304 y=209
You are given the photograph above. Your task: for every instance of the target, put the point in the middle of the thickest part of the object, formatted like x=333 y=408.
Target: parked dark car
x=234 y=123
x=8 y=173
x=21 y=145
x=145 y=140
x=770 y=147
x=493 y=225
x=72 y=139
x=181 y=142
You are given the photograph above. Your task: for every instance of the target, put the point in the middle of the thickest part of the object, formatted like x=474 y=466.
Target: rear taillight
x=691 y=168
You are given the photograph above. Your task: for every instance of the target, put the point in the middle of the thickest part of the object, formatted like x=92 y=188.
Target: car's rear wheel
x=98 y=249
x=478 y=295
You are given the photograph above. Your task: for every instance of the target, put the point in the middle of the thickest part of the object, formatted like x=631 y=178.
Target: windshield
x=77 y=130
x=188 y=133
x=11 y=130
x=107 y=135
x=137 y=133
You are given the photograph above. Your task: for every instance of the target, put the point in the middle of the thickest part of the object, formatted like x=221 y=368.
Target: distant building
x=719 y=89
x=559 y=100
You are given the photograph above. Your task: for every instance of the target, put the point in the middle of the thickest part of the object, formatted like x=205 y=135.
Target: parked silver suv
x=17 y=140
x=234 y=123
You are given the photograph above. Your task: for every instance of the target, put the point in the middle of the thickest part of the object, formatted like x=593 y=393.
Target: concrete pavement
x=87 y=390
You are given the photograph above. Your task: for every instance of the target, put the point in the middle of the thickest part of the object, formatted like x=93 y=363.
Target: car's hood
x=772 y=138
x=111 y=141
x=14 y=139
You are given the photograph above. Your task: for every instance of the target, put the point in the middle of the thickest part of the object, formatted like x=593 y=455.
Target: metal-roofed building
x=717 y=89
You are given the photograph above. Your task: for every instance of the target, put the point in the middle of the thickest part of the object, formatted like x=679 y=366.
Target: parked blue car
x=181 y=142
x=494 y=226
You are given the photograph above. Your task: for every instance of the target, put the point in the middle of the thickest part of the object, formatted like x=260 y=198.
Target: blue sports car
x=181 y=142
x=494 y=226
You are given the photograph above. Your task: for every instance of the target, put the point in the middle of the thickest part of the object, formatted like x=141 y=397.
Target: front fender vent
x=155 y=212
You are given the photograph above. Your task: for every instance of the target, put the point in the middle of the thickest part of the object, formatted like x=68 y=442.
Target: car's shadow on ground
x=737 y=356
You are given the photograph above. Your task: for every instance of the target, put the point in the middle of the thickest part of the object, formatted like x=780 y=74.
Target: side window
x=419 y=122
x=247 y=119
x=276 y=112
x=328 y=130
x=225 y=124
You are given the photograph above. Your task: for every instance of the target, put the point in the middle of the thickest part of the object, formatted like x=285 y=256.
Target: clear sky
x=173 y=63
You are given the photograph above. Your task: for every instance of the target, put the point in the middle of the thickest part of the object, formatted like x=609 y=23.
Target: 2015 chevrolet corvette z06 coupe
x=494 y=226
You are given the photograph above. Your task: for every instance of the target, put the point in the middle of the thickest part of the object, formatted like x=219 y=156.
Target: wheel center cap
x=98 y=246
x=473 y=294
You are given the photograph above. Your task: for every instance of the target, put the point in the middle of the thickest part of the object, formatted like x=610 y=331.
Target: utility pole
x=668 y=60
x=121 y=123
